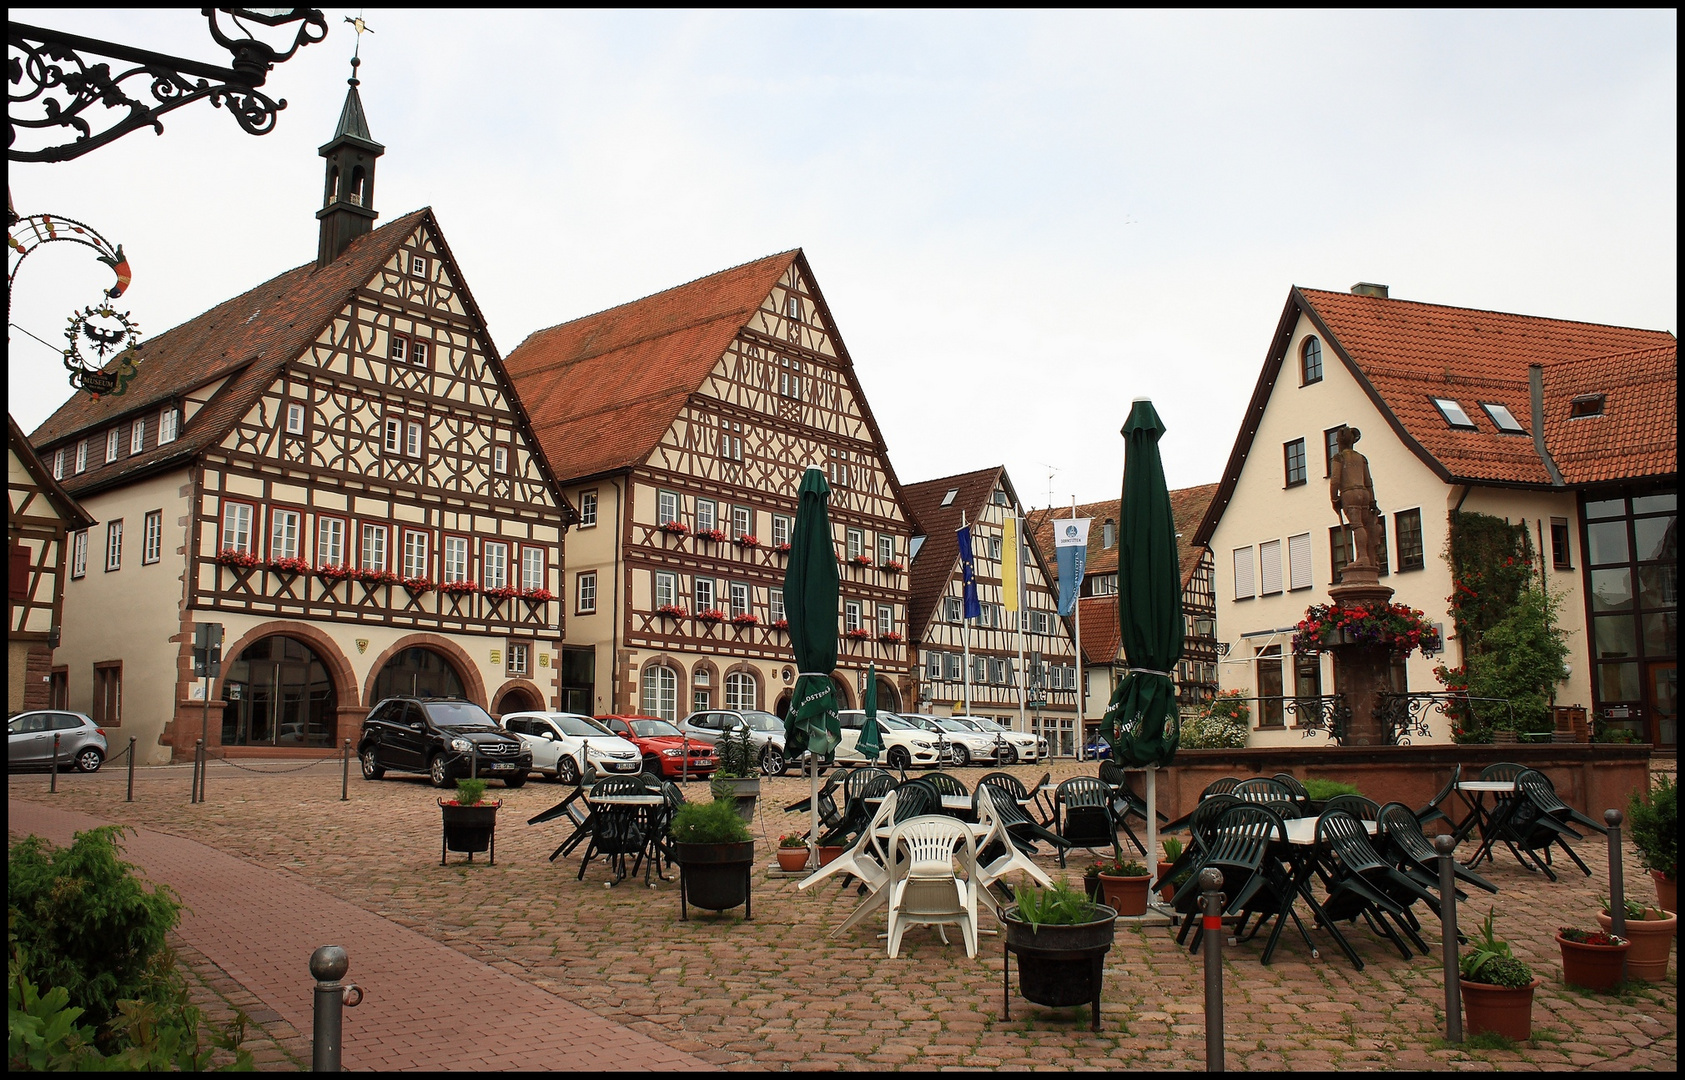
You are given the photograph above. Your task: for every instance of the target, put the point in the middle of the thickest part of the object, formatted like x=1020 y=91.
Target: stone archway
x=517 y=695
x=278 y=692
x=889 y=699
x=842 y=692
x=442 y=654
x=190 y=715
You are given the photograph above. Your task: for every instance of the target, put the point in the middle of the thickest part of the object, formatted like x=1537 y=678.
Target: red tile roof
x=601 y=390
x=1102 y=634
x=1187 y=507
x=938 y=558
x=1637 y=433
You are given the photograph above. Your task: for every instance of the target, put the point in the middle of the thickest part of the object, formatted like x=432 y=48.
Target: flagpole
x=965 y=635
x=1076 y=610
x=1018 y=606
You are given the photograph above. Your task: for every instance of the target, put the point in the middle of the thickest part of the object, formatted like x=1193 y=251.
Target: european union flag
x=968 y=571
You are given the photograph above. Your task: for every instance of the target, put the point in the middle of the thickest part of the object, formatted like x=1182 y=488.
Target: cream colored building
x=1459 y=410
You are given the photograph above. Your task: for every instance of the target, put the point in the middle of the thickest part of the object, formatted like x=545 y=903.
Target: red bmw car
x=663 y=746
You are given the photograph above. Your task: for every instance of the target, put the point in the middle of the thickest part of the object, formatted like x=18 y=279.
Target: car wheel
x=88 y=759
x=899 y=759
x=567 y=770
x=371 y=767
x=772 y=761
x=962 y=756
x=515 y=781
x=1006 y=755
x=652 y=766
x=438 y=772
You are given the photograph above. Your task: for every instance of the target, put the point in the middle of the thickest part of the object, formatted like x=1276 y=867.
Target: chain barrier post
x=328 y=965
x=1617 y=875
x=53 y=784
x=345 y=772
x=131 y=795
x=1446 y=845
x=1211 y=902
x=199 y=770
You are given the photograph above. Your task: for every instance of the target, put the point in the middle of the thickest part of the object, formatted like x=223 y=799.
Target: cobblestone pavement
x=778 y=993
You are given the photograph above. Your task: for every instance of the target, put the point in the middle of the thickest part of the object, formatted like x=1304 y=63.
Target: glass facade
x=1631 y=555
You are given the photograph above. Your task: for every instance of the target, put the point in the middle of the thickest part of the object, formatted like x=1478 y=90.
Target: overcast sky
x=1021 y=220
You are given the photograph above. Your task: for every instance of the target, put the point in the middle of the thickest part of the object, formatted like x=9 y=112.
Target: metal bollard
x=199 y=770
x=1446 y=845
x=131 y=795
x=1617 y=877
x=345 y=772
x=1211 y=900
x=53 y=784
x=328 y=965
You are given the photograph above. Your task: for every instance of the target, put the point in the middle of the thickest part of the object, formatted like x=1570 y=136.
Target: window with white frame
x=58 y=464
x=851 y=615
x=79 y=554
x=666 y=507
x=167 y=422
x=394 y=437
x=137 y=437
x=520 y=656
x=789 y=378
x=952 y=609
x=775 y=604
x=533 y=566
x=152 y=538
x=295 y=418
x=495 y=557
x=412 y=439
x=979 y=669
x=997 y=671
x=953 y=667
x=330 y=541
x=782 y=526
x=283 y=534
x=415 y=553
x=399 y=349
x=499 y=458
x=856 y=543
x=739 y=599
x=739 y=691
x=704 y=589
x=418 y=265
x=587 y=509
x=585 y=592
x=701 y=699
x=707 y=515
x=1243 y=589
x=886 y=548
x=1269 y=567
x=114 y=545
x=841 y=474
x=236 y=527
x=886 y=618
x=932 y=664
x=731 y=440
x=1299 y=561
x=374 y=547
x=82 y=457
x=418 y=353
x=742 y=521
x=456 y=558
x=666 y=589
x=113 y=442
x=661 y=692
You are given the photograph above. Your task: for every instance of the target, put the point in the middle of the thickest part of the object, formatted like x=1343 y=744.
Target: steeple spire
x=348 y=200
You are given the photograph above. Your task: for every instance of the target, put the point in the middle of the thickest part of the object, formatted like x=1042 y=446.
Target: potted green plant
x=1123 y=886
x=792 y=852
x=1172 y=851
x=715 y=854
x=1497 y=987
x=1319 y=792
x=1651 y=932
x=1091 y=880
x=470 y=823
x=1653 y=824
x=1594 y=960
x=738 y=776
x=1061 y=939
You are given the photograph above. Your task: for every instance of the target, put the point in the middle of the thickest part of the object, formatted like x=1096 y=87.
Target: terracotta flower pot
x=1652 y=940
x=1499 y=1009
x=1128 y=895
x=1166 y=891
x=1667 y=891
x=828 y=852
x=792 y=859
x=1595 y=967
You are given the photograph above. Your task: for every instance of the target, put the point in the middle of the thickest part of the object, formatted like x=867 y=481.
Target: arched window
x=357 y=185
x=418 y=672
x=739 y=691
x=278 y=693
x=1310 y=361
x=661 y=693
x=333 y=184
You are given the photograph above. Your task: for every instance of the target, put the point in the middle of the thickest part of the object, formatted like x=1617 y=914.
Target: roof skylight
x=948 y=499
x=1585 y=405
x=1453 y=413
x=1502 y=417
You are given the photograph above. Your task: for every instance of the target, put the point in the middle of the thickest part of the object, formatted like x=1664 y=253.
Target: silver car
x=765 y=729
x=29 y=740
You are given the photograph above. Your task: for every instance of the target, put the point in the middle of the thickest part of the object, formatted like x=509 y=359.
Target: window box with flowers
x=459 y=588
x=892 y=566
x=781 y=624
x=671 y=611
x=242 y=560
x=857 y=634
x=890 y=637
x=371 y=576
x=860 y=560
x=745 y=619
x=716 y=535
x=334 y=572
x=711 y=615
x=1395 y=626
x=538 y=596
x=782 y=549
x=507 y=592
x=289 y=567
x=675 y=528
x=418 y=585
x=748 y=541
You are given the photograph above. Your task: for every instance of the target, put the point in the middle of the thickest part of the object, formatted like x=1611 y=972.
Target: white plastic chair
x=1014 y=859
x=923 y=889
x=865 y=860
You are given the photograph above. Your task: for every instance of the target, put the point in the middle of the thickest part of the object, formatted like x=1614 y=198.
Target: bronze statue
x=1351 y=490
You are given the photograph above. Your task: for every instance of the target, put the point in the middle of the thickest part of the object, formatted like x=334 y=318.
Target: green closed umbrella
x=871 y=736
x=810 y=605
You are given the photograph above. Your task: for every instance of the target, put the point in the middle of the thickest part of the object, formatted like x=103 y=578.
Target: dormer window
x=1585 y=405
x=1503 y=418
x=1453 y=413
x=1108 y=535
x=948 y=499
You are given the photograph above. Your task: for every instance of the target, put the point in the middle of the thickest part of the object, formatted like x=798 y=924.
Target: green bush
x=1221 y=723
x=469 y=792
x=1653 y=824
x=737 y=755
x=1520 y=659
x=1056 y=906
x=1323 y=790
x=709 y=823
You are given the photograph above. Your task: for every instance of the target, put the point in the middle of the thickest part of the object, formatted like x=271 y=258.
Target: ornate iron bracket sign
x=50 y=78
x=107 y=330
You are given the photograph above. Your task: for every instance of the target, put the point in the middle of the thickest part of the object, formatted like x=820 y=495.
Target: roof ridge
x=734 y=315
x=1480 y=311
x=792 y=253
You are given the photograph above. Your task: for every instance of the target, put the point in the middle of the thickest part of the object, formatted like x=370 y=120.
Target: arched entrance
x=417 y=672
x=278 y=693
x=514 y=699
x=888 y=699
x=783 y=706
x=840 y=691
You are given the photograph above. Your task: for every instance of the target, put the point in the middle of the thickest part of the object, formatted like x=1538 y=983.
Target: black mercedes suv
x=446 y=738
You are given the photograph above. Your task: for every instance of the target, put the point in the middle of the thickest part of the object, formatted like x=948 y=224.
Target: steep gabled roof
x=1637 y=431
x=603 y=389
x=1404 y=353
x=1187 y=507
x=1102 y=633
x=68 y=509
x=938 y=558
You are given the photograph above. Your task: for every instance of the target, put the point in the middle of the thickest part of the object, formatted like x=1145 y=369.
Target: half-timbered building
x=683 y=423
x=334 y=467
x=40 y=518
x=1023 y=667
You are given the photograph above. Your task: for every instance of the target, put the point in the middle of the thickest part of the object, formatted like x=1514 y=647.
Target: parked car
x=966 y=746
x=663 y=746
x=446 y=738
x=563 y=743
x=1098 y=748
x=1015 y=746
x=29 y=740
x=765 y=729
x=905 y=744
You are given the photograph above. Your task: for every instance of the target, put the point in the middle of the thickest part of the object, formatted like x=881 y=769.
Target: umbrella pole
x=1152 y=813
x=813 y=809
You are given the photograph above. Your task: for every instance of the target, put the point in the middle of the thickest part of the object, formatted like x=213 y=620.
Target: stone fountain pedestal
x=1362 y=672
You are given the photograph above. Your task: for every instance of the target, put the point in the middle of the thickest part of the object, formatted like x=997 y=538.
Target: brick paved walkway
x=426 y=1006
x=778 y=993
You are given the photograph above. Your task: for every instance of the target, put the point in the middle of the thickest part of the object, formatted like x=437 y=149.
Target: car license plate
x=503 y=766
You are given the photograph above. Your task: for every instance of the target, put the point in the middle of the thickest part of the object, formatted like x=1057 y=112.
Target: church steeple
x=348 y=200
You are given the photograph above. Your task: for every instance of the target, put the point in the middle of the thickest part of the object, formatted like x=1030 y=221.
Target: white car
x=562 y=743
x=966 y=745
x=1016 y=745
x=905 y=745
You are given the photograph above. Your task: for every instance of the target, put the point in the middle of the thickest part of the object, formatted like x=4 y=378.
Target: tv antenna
x=1052 y=470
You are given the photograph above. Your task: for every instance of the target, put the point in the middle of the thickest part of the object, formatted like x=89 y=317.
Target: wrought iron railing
x=1326 y=714
x=1404 y=716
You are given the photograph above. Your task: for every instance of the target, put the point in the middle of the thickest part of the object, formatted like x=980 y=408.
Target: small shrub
x=1323 y=790
x=709 y=823
x=792 y=840
x=736 y=754
x=469 y=792
x=1172 y=849
x=1653 y=825
x=1489 y=959
x=1221 y=723
x=1056 y=906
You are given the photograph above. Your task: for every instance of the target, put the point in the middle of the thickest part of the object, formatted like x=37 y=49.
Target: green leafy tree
x=1520 y=659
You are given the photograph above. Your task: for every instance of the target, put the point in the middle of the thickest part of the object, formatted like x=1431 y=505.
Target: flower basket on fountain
x=470 y=823
x=1497 y=988
x=1397 y=626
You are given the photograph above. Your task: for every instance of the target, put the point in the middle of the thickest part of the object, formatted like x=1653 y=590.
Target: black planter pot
x=1058 y=966
x=469 y=829
x=715 y=876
